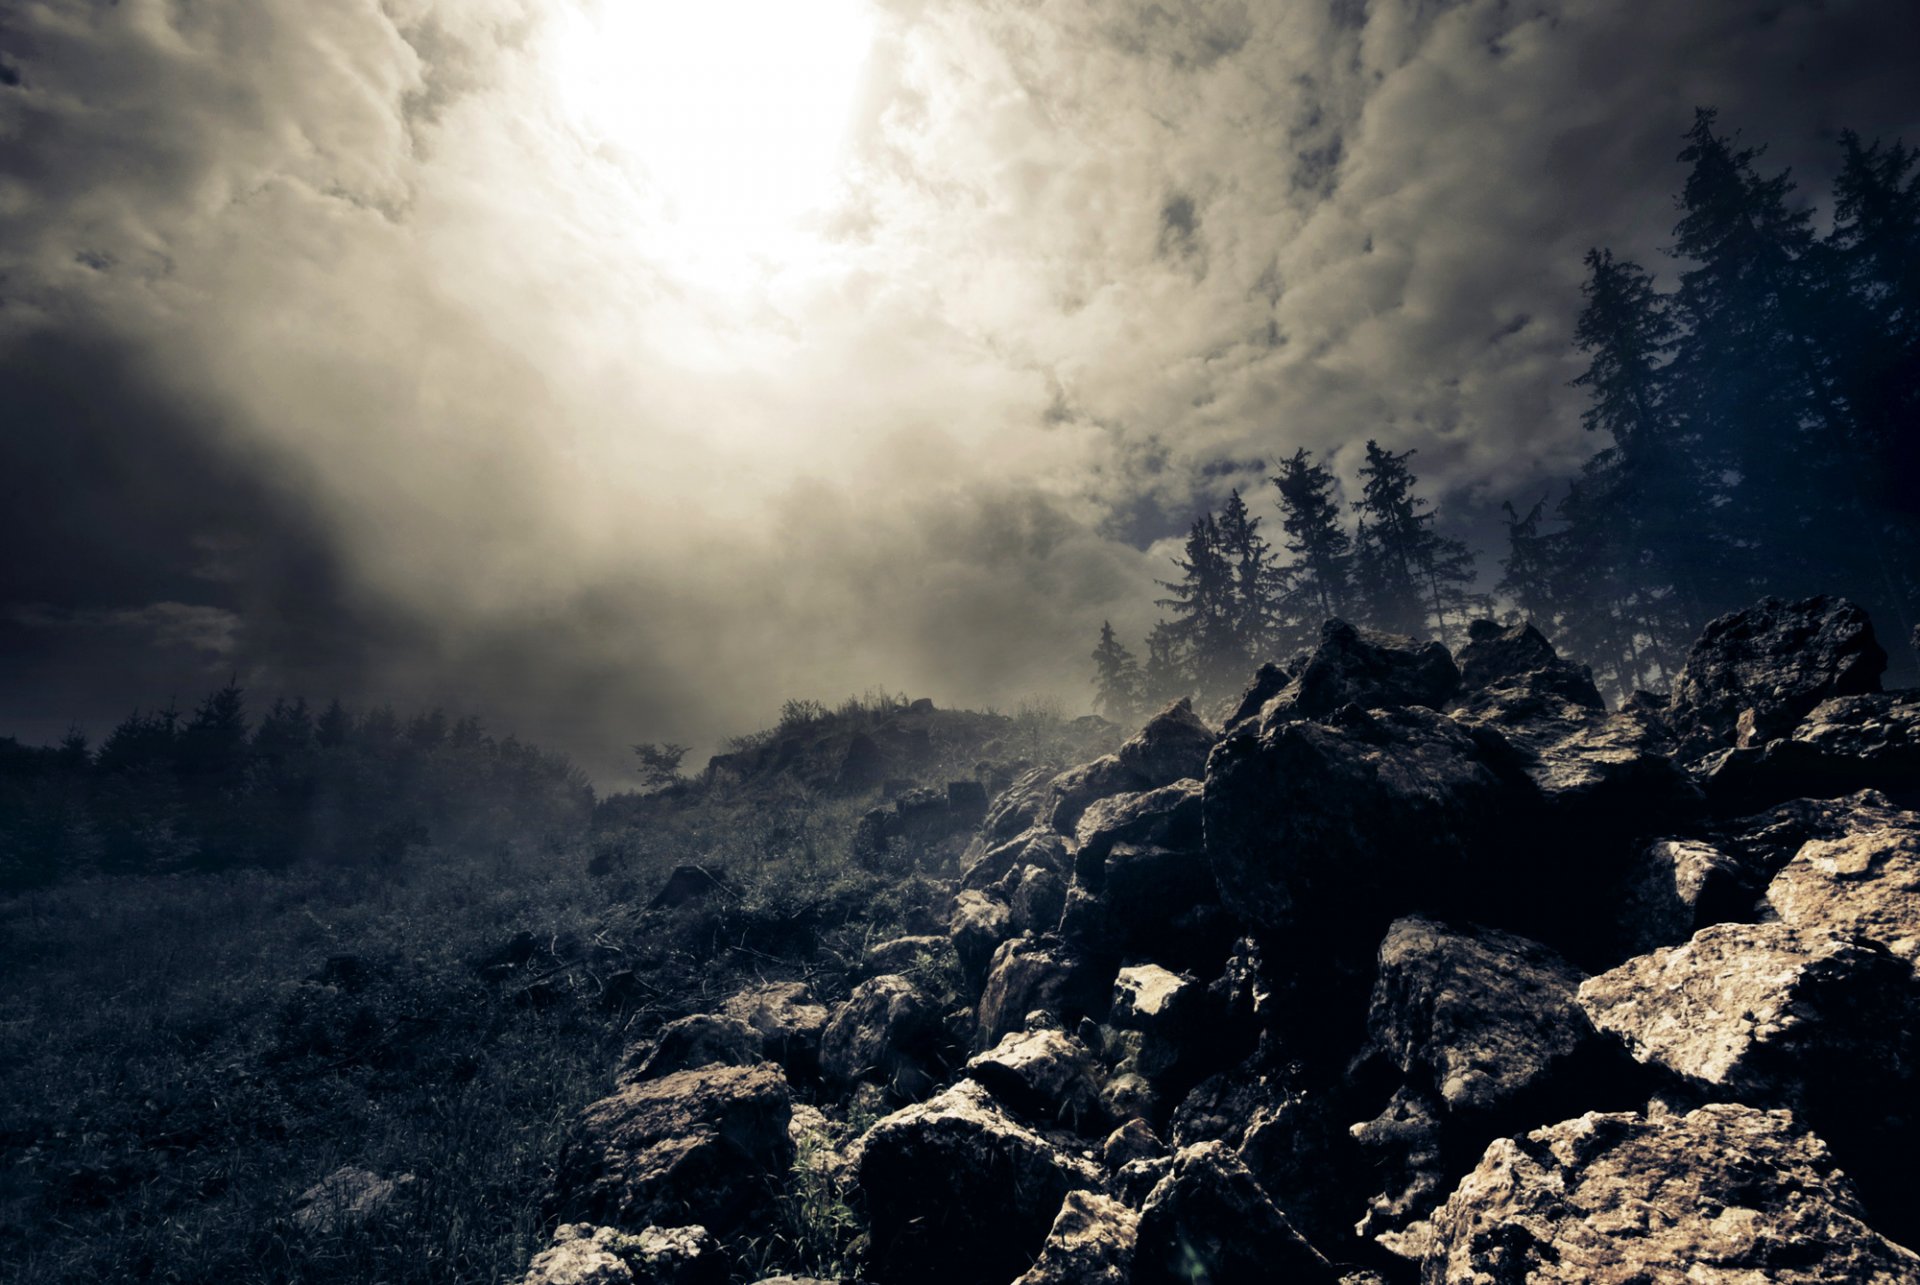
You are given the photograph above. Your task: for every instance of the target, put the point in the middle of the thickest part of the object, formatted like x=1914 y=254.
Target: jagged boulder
x=1486 y=1033
x=1364 y=667
x=702 y=1146
x=703 y=1039
x=1319 y=834
x=1169 y=817
x=1754 y=674
x=1046 y=1075
x=909 y=956
x=1043 y=974
x=1020 y=807
x=1519 y=659
x=887 y=1033
x=1036 y=899
x=957 y=1191
x=582 y=1254
x=1172 y=746
x=1134 y=1140
x=1209 y=1220
x=1268 y=682
x=1845 y=744
x=1675 y=887
x=1090 y=1243
x=1599 y=776
x=985 y=867
x=1725 y=1193
x=980 y=923
x=1767 y=1013
x=1765 y=841
x=1475 y=1016
x=1864 y=884
x=788 y=1020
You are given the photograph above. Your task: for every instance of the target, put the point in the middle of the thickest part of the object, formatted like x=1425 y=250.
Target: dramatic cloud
x=353 y=347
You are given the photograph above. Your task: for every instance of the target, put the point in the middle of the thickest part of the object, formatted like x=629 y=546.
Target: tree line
x=1762 y=420
x=168 y=791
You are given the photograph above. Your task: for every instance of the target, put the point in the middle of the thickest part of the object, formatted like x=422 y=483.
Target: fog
x=387 y=350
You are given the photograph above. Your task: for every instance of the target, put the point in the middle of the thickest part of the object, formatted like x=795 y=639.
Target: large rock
x=1020 y=807
x=700 y=1040
x=1519 y=658
x=886 y=1033
x=1045 y=1074
x=788 y=1020
x=1474 y=1016
x=1090 y=1243
x=1675 y=887
x=978 y=925
x=582 y=1254
x=1039 y=974
x=1324 y=832
x=958 y=1191
x=1845 y=744
x=1723 y=1194
x=1600 y=776
x=1756 y=673
x=1864 y=884
x=1169 y=817
x=1364 y=667
x=1209 y=1220
x=1171 y=747
x=699 y=1146
x=985 y=866
x=1766 y=1013
x=1485 y=1032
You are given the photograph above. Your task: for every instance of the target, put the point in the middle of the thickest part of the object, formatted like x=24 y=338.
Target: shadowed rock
x=1726 y=1193
x=1754 y=674
x=690 y=1042
x=1090 y=1243
x=1209 y=1220
x=886 y=1033
x=959 y=1192
x=697 y=1146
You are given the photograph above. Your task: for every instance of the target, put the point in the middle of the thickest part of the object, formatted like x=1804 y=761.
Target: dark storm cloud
x=338 y=356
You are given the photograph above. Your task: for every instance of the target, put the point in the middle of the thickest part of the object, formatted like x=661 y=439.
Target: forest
x=1760 y=422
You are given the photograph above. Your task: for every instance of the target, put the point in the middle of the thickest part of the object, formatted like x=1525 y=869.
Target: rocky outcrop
x=789 y=1021
x=1754 y=674
x=1090 y=1243
x=1209 y=1220
x=1046 y=1075
x=1724 y=1193
x=1845 y=744
x=1327 y=831
x=1364 y=667
x=958 y=1191
x=703 y=1146
x=1171 y=747
x=1675 y=887
x=1767 y=1013
x=1484 y=1030
x=1473 y=1016
x=701 y=1040
x=1039 y=974
x=582 y=1254
x=1865 y=884
x=978 y=926
x=886 y=1033
x=1519 y=660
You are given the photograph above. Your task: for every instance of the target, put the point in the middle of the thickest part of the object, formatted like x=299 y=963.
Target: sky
x=619 y=370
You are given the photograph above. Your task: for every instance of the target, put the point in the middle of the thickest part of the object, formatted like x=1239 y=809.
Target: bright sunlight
x=731 y=116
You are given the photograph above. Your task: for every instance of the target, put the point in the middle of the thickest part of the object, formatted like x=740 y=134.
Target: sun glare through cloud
x=728 y=117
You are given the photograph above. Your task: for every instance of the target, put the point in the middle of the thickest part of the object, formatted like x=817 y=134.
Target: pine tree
x=1756 y=388
x=1205 y=608
x=1528 y=571
x=1320 y=578
x=1165 y=677
x=1411 y=577
x=1257 y=583
x=1116 y=678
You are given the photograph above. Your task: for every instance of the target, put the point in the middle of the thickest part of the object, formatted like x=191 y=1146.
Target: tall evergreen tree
x=1164 y=678
x=1204 y=604
x=1116 y=678
x=1757 y=389
x=1412 y=578
x=1528 y=571
x=1257 y=582
x=1320 y=577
